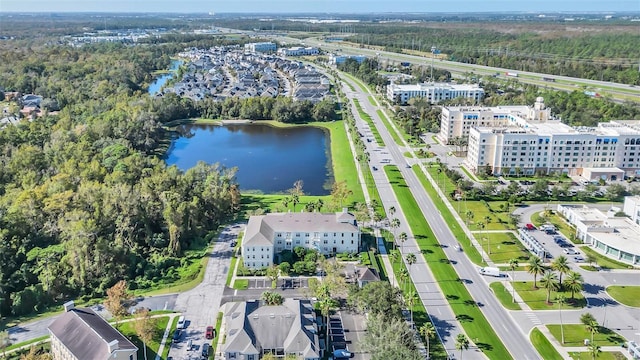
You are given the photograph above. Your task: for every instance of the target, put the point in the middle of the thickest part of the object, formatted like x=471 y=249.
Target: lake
x=155 y=86
x=269 y=159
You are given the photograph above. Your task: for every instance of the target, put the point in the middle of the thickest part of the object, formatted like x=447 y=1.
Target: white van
x=181 y=323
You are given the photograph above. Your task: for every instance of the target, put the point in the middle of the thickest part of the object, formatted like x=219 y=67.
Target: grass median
x=627 y=295
x=574 y=335
x=374 y=130
x=543 y=345
x=463 y=305
x=458 y=232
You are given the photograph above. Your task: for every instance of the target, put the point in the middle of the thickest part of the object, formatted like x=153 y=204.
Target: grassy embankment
x=465 y=308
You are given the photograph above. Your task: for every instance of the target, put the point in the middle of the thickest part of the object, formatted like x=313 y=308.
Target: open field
x=503 y=247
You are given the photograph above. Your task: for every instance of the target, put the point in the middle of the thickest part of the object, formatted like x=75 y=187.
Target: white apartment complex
x=299 y=51
x=339 y=59
x=529 y=140
x=268 y=235
x=434 y=92
x=263 y=47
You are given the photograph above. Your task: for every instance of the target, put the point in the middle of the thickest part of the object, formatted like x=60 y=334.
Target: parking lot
x=556 y=244
x=350 y=333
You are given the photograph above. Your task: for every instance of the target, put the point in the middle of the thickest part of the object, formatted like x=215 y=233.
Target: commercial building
x=632 y=208
x=529 y=140
x=615 y=237
x=299 y=51
x=434 y=92
x=262 y=47
x=267 y=235
x=254 y=329
x=81 y=334
x=339 y=59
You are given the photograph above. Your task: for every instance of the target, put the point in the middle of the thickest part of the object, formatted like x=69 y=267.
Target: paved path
x=165 y=336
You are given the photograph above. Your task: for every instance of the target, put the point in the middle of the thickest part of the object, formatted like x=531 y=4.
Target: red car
x=211 y=332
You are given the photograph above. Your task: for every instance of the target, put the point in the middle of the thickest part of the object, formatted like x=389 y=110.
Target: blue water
x=155 y=86
x=269 y=159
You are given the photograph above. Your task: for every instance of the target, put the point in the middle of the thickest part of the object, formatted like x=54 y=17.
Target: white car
x=578 y=259
x=181 y=323
x=570 y=251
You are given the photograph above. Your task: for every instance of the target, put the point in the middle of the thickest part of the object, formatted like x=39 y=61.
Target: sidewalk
x=165 y=336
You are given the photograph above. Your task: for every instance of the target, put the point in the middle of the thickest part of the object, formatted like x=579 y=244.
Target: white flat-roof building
x=268 y=235
x=299 y=51
x=632 y=208
x=530 y=139
x=263 y=47
x=434 y=92
x=615 y=237
x=339 y=59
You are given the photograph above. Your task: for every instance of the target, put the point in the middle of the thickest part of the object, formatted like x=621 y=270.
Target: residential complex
x=615 y=237
x=81 y=334
x=339 y=59
x=529 y=140
x=433 y=92
x=267 y=235
x=260 y=47
x=254 y=329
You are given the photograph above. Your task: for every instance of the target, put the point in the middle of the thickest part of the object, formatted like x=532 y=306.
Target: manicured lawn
x=574 y=335
x=387 y=124
x=214 y=342
x=372 y=101
x=536 y=298
x=232 y=268
x=462 y=238
x=128 y=330
x=605 y=355
x=627 y=295
x=603 y=261
x=544 y=347
x=505 y=297
x=167 y=346
x=503 y=246
x=241 y=284
x=498 y=217
x=463 y=305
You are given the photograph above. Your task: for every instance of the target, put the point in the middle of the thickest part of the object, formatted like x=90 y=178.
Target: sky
x=319 y=6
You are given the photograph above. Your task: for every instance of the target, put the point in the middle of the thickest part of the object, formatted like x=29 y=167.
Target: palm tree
x=411 y=298
x=536 y=268
x=593 y=328
x=550 y=283
x=428 y=331
x=594 y=350
x=395 y=223
x=411 y=259
x=392 y=210
x=561 y=300
x=469 y=216
x=403 y=237
x=573 y=283
x=403 y=275
x=462 y=343
x=561 y=265
x=513 y=265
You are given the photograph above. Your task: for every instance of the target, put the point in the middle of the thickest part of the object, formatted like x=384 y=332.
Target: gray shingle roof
x=260 y=229
x=252 y=328
x=87 y=335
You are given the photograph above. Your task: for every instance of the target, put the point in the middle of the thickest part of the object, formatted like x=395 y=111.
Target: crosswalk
x=533 y=318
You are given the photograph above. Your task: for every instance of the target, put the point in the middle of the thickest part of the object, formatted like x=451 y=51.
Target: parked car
x=578 y=259
x=181 y=322
x=189 y=345
x=570 y=251
x=177 y=335
x=205 y=350
x=210 y=333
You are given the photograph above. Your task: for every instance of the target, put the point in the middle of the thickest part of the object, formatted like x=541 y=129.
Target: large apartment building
x=270 y=234
x=81 y=334
x=262 y=47
x=530 y=140
x=433 y=92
